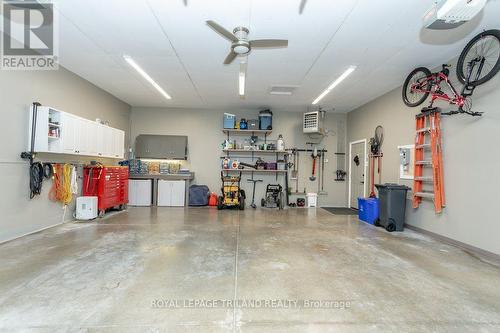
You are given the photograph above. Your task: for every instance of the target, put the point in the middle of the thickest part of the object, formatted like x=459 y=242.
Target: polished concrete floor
x=177 y=270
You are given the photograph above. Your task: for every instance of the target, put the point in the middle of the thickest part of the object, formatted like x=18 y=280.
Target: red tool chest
x=108 y=183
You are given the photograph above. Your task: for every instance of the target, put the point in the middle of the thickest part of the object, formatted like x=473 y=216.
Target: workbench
x=187 y=177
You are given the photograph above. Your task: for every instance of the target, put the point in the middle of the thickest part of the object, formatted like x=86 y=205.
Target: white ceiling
x=172 y=42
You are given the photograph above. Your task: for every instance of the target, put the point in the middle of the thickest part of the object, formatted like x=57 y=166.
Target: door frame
x=363 y=141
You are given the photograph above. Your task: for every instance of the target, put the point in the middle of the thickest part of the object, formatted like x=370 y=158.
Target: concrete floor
x=117 y=275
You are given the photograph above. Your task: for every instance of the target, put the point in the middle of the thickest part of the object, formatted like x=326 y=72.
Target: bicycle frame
x=459 y=99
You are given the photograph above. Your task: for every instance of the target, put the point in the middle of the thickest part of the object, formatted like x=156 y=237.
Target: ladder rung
x=425 y=195
x=425 y=145
x=425 y=129
x=423 y=162
x=424 y=179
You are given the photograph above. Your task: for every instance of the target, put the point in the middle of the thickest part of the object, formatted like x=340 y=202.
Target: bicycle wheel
x=379 y=135
x=416 y=78
x=485 y=46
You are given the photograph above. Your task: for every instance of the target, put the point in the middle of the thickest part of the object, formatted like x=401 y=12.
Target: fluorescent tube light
x=242 y=84
x=335 y=83
x=145 y=75
x=243 y=70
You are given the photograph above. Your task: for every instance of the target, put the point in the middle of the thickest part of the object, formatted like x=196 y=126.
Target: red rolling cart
x=109 y=184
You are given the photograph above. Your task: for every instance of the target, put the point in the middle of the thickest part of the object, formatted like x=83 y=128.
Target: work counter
x=186 y=177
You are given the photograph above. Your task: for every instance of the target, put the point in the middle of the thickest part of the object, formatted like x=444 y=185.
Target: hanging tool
x=428 y=125
x=294 y=170
x=36 y=169
x=314 y=156
x=376 y=158
x=254 y=181
x=322 y=177
x=287 y=190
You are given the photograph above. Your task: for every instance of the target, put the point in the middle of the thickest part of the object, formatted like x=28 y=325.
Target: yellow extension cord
x=61 y=187
x=66 y=195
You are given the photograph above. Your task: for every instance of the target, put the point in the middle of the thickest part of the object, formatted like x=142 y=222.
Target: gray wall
x=204 y=129
x=60 y=89
x=471 y=163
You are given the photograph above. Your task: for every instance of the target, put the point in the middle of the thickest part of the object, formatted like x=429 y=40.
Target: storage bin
x=368 y=209
x=266 y=120
x=253 y=124
x=229 y=121
x=312 y=200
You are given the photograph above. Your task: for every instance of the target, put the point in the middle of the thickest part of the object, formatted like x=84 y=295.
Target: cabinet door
x=100 y=147
x=68 y=133
x=164 y=193
x=120 y=145
x=41 y=131
x=118 y=142
x=178 y=193
x=92 y=138
x=82 y=136
x=140 y=192
x=108 y=141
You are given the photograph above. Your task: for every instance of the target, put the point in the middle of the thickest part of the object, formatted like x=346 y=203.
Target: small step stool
x=428 y=140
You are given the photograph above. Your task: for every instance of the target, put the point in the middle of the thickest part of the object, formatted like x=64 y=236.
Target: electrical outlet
x=326 y=160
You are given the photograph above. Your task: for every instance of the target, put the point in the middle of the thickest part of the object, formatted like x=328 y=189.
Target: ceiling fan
x=241 y=45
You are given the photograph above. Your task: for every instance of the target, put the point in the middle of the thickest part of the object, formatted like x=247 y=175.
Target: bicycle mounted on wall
x=477 y=64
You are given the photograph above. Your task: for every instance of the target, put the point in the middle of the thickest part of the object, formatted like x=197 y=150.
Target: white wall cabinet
x=171 y=193
x=140 y=192
x=64 y=133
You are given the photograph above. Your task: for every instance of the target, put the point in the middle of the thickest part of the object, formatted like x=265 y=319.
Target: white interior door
x=357 y=172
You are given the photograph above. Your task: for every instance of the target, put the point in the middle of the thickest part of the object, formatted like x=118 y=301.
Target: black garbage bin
x=392 y=198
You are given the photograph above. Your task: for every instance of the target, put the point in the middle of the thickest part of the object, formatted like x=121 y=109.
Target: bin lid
x=391 y=186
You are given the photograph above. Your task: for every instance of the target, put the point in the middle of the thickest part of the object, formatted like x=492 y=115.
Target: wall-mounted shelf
x=255 y=151
x=251 y=132
x=254 y=170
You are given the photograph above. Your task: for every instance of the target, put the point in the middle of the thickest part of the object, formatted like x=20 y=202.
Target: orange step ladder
x=428 y=169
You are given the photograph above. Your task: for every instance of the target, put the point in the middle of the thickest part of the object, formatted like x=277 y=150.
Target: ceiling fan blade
x=302 y=6
x=230 y=57
x=221 y=30
x=269 y=43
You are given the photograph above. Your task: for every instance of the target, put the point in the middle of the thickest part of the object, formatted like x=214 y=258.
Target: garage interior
x=241 y=166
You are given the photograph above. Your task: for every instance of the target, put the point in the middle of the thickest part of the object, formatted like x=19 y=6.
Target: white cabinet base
x=171 y=193
x=140 y=192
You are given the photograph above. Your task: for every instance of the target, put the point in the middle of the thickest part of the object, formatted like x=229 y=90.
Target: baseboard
x=33 y=232
x=483 y=255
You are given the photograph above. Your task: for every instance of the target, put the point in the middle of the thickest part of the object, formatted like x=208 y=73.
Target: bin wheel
x=391 y=227
x=241 y=203
x=377 y=223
